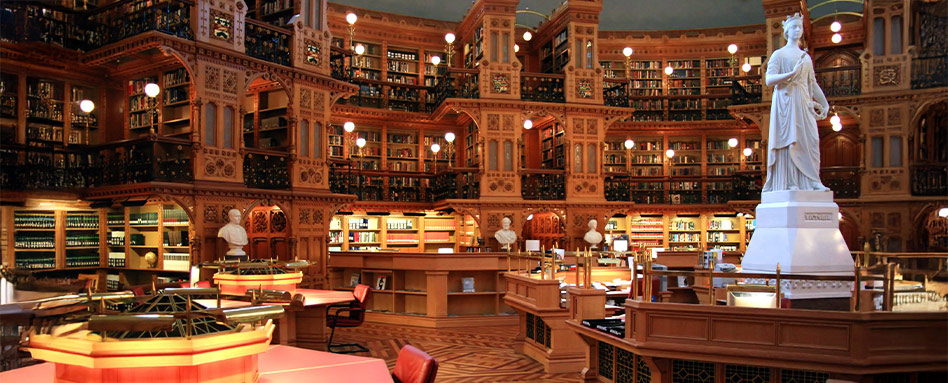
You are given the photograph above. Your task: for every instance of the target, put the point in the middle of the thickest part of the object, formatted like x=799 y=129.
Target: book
x=467 y=285
x=354 y=279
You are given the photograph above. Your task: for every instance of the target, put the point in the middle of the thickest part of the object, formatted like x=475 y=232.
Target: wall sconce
x=732 y=49
x=449 y=47
x=516 y=48
x=527 y=124
x=837 y=38
x=86 y=106
x=627 y=52
x=746 y=67
x=152 y=90
x=670 y=153
x=748 y=152
x=351 y=18
x=449 y=150
x=732 y=142
x=943 y=212
x=669 y=70
x=435 y=60
x=836 y=26
x=629 y=144
x=435 y=148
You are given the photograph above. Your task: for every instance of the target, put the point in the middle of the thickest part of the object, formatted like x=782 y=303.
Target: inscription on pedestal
x=818 y=217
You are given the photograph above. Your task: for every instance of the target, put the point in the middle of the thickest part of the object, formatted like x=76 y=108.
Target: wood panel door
x=268 y=233
x=838 y=150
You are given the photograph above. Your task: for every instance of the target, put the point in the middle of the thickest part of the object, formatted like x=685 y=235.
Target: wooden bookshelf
x=555 y=54
x=142 y=110
x=684 y=233
x=553 y=147
x=266 y=125
x=474 y=49
x=176 y=104
x=414 y=294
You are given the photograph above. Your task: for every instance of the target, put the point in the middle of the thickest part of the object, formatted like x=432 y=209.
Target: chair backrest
x=414 y=366
x=203 y=284
x=361 y=294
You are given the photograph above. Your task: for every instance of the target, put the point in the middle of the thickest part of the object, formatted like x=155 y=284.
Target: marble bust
x=592 y=237
x=793 y=148
x=505 y=236
x=234 y=234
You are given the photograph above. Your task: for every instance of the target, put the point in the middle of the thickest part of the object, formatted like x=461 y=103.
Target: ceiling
x=617 y=15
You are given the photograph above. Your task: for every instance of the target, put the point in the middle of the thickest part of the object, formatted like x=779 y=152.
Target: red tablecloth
x=282 y=364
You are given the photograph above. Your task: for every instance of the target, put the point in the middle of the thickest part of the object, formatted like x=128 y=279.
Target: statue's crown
x=795 y=17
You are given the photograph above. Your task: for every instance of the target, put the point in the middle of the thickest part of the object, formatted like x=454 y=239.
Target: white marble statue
x=592 y=237
x=234 y=234
x=793 y=149
x=505 y=236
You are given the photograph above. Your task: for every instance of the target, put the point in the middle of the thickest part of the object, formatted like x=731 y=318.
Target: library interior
x=485 y=191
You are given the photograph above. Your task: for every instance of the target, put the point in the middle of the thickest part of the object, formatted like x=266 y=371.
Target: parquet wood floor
x=474 y=354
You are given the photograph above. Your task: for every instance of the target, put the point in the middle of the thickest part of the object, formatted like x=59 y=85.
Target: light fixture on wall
x=943 y=212
x=746 y=67
x=836 y=38
x=435 y=148
x=86 y=106
x=435 y=60
x=516 y=48
x=629 y=144
x=152 y=90
x=836 y=26
x=670 y=153
x=351 y=18
x=669 y=70
x=748 y=152
x=449 y=149
x=530 y=217
x=527 y=36
x=627 y=52
x=528 y=124
x=449 y=47
x=732 y=62
x=732 y=142
x=836 y=122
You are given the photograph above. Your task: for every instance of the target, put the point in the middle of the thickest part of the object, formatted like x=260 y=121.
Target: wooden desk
x=279 y=364
x=306 y=328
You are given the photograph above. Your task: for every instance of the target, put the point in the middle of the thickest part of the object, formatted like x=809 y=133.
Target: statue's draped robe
x=793 y=158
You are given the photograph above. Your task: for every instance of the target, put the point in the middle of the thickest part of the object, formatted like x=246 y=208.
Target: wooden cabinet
x=430 y=286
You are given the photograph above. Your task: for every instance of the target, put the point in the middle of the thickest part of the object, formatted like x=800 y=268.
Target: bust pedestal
x=800 y=231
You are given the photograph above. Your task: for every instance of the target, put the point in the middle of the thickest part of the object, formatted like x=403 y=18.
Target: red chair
x=203 y=284
x=414 y=366
x=354 y=316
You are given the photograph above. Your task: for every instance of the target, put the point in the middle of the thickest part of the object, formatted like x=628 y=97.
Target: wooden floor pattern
x=474 y=354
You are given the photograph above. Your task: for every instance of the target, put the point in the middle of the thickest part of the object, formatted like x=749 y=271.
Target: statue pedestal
x=800 y=231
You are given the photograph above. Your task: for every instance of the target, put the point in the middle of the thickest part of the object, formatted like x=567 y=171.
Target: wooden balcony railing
x=267 y=42
x=542 y=87
x=266 y=169
x=929 y=179
x=844 y=181
x=544 y=185
x=741 y=95
x=840 y=81
x=615 y=93
x=457 y=83
x=76 y=167
x=339 y=63
x=929 y=72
